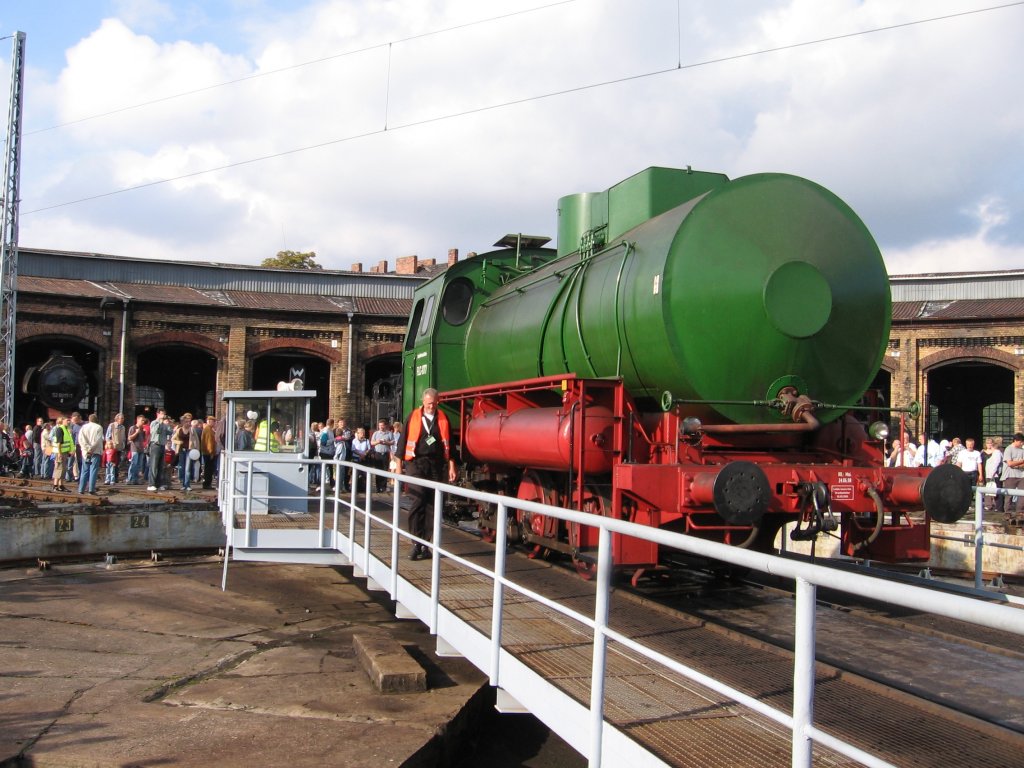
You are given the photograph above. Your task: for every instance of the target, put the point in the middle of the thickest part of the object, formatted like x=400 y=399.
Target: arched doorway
x=274 y=367
x=177 y=378
x=970 y=398
x=383 y=378
x=30 y=401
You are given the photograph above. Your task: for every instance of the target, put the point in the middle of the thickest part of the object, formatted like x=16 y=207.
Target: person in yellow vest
x=271 y=432
x=63 y=448
x=423 y=449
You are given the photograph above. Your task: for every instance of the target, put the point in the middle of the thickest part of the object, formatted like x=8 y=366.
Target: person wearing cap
x=1013 y=474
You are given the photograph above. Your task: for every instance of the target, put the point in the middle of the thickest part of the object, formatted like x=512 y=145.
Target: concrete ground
x=144 y=664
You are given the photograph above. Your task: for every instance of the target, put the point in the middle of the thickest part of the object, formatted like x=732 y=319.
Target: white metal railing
x=808 y=578
x=977 y=539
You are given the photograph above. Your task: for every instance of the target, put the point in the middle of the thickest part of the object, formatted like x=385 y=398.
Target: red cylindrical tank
x=543 y=438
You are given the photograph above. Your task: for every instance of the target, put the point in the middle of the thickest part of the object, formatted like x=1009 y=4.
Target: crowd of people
x=334 y=439
x=70 y=450
x=994 y=466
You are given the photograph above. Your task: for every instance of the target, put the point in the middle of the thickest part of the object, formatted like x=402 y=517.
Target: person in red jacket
x=423 y=450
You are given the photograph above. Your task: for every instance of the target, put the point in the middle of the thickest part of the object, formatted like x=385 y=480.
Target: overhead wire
x=527 y=99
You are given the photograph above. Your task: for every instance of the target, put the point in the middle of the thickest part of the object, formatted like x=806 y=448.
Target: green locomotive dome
x=753 y=281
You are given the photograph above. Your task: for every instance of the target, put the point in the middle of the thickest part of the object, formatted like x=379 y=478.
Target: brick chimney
x=453 y=256
x=357 y=267
x=406 y=265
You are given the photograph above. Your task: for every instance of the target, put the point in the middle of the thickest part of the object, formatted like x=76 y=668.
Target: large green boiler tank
x=714 y=290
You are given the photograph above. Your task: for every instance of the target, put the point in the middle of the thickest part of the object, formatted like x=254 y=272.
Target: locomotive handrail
x=807 y=577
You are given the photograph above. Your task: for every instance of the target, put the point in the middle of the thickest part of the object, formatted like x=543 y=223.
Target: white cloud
x=144 y=15
x=982 y=249
x=910 y=126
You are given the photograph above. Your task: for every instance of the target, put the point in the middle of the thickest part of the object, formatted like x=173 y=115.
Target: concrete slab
x=145 y=664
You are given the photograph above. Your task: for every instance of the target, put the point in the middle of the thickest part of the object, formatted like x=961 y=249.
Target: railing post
x=366 y=522
x=351 y=514
x=498 y=597
x=602 y=601
x=435 y=558
x=979 y=537
x=803 y=673
x=395 y=541
x=323 y=520
x=248 y=505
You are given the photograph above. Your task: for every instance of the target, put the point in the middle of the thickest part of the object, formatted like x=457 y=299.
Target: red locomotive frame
x=584 y=444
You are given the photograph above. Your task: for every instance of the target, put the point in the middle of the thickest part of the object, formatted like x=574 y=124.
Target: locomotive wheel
x=585 y=568
x=539 y=487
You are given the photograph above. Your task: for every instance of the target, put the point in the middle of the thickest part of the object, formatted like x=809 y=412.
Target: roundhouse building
x=152 y=334
x=957 y=347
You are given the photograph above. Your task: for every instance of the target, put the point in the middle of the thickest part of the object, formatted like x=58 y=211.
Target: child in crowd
x=111 y=458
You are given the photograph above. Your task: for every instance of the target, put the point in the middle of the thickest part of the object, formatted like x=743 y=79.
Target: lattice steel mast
x=9 y=230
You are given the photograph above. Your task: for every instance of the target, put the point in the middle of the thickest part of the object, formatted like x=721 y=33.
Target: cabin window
x=414 y=324
x=428 y=313
x=457 y=301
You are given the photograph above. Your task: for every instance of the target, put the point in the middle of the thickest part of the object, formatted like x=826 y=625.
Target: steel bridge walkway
x=546 y=657
x=544 y=665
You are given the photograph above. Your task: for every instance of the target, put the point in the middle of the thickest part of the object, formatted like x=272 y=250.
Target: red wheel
x=586 y=569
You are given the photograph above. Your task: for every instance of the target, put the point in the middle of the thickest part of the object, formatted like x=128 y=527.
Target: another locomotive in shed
x=688 y=358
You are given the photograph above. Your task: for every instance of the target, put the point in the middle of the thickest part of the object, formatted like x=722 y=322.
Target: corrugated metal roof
x=980 y=309
x=66 y=265
x=905 y=311
x=389 y=307
x=181 y=295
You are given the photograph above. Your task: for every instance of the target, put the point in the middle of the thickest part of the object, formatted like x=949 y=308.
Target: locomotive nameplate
x=63 y=525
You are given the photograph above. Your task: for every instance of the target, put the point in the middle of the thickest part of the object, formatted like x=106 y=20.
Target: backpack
x=326 y=447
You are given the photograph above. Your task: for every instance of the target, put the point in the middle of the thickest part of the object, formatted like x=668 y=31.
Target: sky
x=366 y=130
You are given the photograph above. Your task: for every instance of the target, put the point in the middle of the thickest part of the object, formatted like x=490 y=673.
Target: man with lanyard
x=423 y=448
x=159 y=433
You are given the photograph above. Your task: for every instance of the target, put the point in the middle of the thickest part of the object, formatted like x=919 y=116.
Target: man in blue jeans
x=159 y=433
x=90 y=443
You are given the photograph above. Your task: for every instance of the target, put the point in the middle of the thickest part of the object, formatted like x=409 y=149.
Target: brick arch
x=955 y=355
x=267 y=346
x=182 y=338
x=889 y=366
x=377 y=350
x=50 y=338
